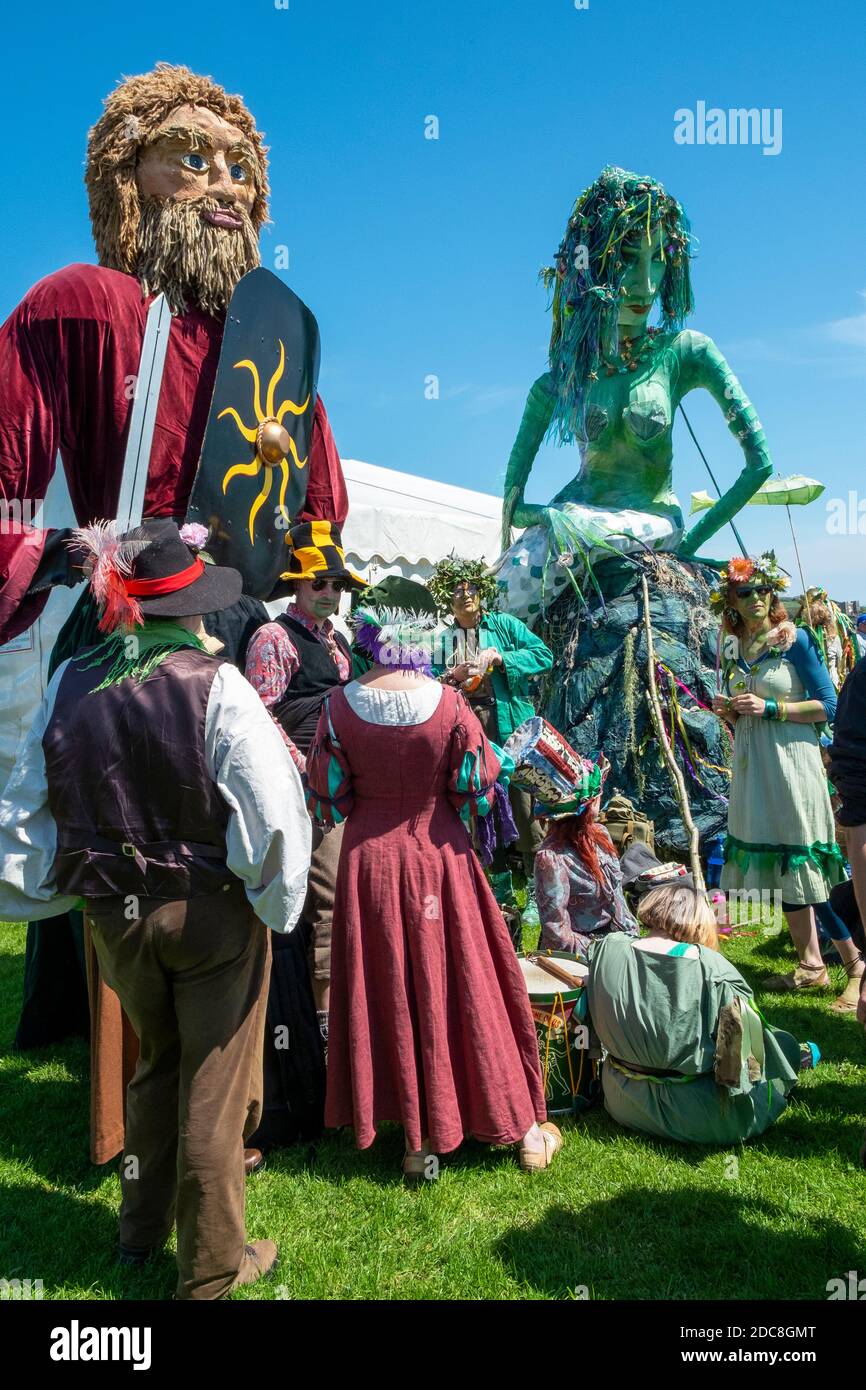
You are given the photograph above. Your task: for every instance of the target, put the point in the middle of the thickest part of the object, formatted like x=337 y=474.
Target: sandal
x=850 y=996
x=532 y=1162
x=804 y=977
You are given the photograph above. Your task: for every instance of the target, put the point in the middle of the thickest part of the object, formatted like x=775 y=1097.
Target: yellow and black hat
x=317 y=553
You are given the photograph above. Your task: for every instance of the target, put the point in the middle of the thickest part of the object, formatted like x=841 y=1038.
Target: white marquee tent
x=401 y=524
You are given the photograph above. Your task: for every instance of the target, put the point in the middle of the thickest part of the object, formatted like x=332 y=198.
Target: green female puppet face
x=644 y=259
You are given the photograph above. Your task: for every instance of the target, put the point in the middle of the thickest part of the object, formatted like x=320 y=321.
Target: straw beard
x=191 y=262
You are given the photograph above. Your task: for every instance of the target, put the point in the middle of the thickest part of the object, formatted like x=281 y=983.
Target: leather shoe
x=259 y=1260
x=254 y=1160
x=129 y=1255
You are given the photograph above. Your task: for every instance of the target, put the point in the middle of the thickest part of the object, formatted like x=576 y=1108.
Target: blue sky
x=420 y=257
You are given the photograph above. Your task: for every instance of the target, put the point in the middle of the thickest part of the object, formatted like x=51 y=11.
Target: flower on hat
x=193 y=534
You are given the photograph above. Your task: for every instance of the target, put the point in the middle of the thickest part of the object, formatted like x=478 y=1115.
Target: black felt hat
x=168 y=580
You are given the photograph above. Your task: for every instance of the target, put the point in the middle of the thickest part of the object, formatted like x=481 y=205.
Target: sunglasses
x=748 y=589
x=467 y=590
x=320 y=585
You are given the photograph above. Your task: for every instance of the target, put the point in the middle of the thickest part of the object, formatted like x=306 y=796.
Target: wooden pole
x=676 y=776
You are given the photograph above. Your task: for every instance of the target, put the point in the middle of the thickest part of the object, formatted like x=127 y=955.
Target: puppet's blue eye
x=194 y=161
x=238 y=173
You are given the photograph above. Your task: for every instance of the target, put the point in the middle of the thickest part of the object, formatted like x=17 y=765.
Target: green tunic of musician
x=613 y=387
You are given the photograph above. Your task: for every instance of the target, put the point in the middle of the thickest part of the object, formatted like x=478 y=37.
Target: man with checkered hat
x=293 y=662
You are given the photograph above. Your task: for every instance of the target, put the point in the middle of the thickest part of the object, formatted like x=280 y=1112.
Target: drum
x=544 y=762
x=568 y=1072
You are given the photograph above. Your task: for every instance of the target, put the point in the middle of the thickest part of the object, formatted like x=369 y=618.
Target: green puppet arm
x=707 y=367
x=537 y=415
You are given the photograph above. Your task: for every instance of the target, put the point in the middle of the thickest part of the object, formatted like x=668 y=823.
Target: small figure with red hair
x=578 y=879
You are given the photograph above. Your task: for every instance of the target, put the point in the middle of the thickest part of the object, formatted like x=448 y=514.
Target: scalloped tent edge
x=400 y=523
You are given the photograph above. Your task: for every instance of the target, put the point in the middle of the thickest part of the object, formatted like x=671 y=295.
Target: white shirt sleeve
x=269 y=833
x=28 y=834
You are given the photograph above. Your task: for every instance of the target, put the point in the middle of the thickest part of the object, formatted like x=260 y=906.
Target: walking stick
x=679 y=782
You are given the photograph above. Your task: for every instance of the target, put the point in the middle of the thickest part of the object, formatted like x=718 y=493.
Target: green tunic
x=662 y=1012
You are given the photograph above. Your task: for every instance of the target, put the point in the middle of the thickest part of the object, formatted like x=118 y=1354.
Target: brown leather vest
x=128 y=785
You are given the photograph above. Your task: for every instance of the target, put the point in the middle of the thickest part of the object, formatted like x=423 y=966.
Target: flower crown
x=742 y=569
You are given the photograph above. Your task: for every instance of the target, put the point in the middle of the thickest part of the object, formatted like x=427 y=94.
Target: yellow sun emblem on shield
x=272 y=441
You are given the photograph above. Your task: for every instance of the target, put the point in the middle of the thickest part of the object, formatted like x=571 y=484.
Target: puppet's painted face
x=645 y=268
x=196 y=184
x=196 y=154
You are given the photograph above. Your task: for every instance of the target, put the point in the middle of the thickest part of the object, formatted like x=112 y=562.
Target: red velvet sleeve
x=29 y=440
x=327 y=498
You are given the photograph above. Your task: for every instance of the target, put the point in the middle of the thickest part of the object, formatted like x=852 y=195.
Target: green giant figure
x=613 y=386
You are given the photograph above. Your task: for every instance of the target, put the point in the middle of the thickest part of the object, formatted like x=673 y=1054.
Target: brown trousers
x=113 y=1059
x=192 y=976
x=318 y=912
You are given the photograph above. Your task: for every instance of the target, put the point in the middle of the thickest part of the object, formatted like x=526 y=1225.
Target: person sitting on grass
x=578 y=879
x=688 y=1055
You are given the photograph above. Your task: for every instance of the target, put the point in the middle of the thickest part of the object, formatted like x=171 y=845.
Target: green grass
x=618 y=1215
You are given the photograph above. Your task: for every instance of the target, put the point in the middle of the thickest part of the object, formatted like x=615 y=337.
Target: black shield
x=252 y=476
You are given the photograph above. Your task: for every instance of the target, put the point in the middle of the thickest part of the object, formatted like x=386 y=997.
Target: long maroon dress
x=429 y=1019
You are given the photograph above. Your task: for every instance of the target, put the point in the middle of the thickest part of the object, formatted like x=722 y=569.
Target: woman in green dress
x=781 y=840
x=687 y=1055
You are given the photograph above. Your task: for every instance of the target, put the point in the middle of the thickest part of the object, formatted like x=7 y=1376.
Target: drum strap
x=558 y=1001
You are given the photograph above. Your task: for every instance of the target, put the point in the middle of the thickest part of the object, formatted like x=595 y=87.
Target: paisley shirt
x=272 y=661
x=572 y=906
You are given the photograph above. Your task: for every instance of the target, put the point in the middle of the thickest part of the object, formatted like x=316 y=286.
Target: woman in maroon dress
x=430 y=1024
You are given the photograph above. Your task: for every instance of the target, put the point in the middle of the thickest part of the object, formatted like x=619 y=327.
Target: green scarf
x=137 y=654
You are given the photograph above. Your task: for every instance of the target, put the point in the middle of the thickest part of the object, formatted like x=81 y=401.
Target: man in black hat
x=293 y=662
x=154 y=787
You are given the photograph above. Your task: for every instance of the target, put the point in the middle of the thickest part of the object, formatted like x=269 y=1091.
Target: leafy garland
x=452 y=571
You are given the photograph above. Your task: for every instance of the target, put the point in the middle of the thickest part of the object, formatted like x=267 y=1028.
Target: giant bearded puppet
x=177 y=184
